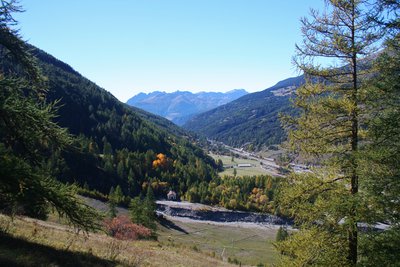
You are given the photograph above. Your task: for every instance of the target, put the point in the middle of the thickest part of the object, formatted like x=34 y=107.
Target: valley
x=244 y=166
x=252 y=119
x=302 y=173
x=254 y=163
x=246 y=237
x=180 y=106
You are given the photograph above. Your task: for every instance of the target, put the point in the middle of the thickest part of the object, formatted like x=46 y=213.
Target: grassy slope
x=242 y=171
x=248 y=245
x=30 y=242
x=251 y=245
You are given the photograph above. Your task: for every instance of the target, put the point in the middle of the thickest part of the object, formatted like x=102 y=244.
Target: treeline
x=247 y=193
x=60 y=126
x=114 y=144
x=114 y=147
x=253 y=118
x=250 y=193
x=142 y=220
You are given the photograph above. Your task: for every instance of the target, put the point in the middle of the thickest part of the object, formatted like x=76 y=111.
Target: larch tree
x=29 y=136
x=329 y=132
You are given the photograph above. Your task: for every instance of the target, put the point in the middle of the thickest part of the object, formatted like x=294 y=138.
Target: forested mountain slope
x=252 y=118
x=117 y=144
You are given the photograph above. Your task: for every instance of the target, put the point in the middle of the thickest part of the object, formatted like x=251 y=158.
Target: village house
x=171 y=195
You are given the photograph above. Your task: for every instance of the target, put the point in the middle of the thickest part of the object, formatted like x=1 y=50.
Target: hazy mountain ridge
x=253 y=118
x=180 y=106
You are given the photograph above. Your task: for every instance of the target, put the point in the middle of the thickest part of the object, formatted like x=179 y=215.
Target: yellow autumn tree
x=161 y=161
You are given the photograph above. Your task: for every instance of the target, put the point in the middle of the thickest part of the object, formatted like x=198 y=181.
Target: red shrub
x=121 y=227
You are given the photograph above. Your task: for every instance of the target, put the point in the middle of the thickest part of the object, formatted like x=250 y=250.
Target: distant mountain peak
x=253 y=118
x=236 y=90
x=179 y=106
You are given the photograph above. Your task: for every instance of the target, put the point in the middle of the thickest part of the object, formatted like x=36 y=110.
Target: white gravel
x=230 y=224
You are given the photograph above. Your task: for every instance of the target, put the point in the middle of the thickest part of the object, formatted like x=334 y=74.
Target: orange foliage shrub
x=258 y=197
x=121 y=227
x=161 y=161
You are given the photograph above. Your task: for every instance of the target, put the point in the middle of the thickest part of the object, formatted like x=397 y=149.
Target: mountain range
x=251 y=120
x=116 y=144
x=180 y=106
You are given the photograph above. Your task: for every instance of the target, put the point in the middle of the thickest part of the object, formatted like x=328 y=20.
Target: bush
x=234 y=261
x=121 y=227
x=282 y=234
x=92 y=194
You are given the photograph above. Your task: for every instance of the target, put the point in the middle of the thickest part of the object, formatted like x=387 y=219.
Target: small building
x=244 y=165
x=229 y=166
x=171 y=195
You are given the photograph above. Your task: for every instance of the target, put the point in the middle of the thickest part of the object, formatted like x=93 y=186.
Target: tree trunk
x=353 y=231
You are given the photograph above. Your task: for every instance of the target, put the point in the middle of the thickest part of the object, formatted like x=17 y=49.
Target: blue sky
x=132 y=46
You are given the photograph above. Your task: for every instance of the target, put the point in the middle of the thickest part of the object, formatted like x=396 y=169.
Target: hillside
x=252 y=118
x=30 y=242
x=180 y=106
x=117 y=144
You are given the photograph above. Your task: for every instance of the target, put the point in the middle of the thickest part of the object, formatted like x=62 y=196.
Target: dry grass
x=28 y=242
x=249 y=246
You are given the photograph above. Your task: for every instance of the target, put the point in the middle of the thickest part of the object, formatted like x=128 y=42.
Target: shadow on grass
x=171 y=225
x=20 y=252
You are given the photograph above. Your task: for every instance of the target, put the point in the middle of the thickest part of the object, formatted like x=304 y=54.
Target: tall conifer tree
x=328 y=133
x=28 y=135
x=381 y=159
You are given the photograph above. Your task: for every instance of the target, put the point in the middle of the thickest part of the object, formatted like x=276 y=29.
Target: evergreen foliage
x=282 y=234
x=381 y=159
x=112 y=204
x=143 y=211
x=117 y=144
x=253 y=118
x=29 y=137
x=330 y=131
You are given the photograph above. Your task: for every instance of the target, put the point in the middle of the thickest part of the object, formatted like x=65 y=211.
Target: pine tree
x=144 y=211
x=149 y=209
x=282 y=234
x=381 y=159
x=112 y=203
x=135 y=210
x=328 y=132
x=117 y=195
x=121 y=169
